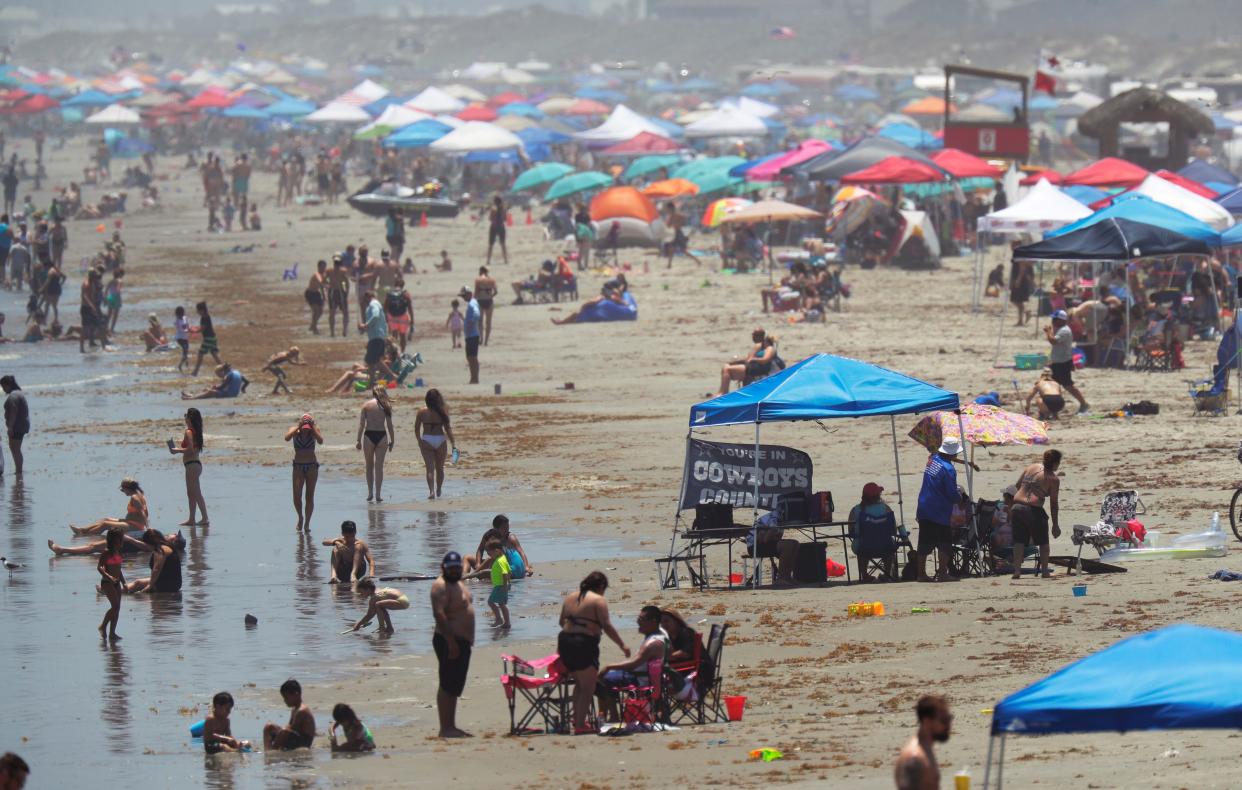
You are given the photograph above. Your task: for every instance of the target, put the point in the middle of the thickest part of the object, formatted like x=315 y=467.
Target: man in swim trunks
x=301 y=730
x=916 y=767
x=1061 y=358
x=453 y=608
x=479 y=562
x=351 y=557
x=338 y=295
x=241 y=185
x=1051 y=400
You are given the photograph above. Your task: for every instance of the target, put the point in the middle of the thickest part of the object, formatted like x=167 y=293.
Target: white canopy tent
x=338 y=112
x=621 y=125
x=395 y=116
x=1185 y=201
x=476 y=136
x=463 y=92
x=759 y=109
x=115 y=114
x=364 y=92
x=436 y=101
x=728 y=121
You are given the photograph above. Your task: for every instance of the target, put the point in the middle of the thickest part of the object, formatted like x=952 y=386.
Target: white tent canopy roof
x=728 y=121
x=434 y=100
x=115 y=114
x=1185 y=201
x=1043 y=208
x=464 y=92
x=395 y=116
x=476 y=136
x=338 y=112
x=622 y=124
x=759 y=109
x=364 y=92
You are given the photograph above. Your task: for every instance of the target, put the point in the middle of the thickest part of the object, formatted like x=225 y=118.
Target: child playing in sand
x=498 y=601
x=455 y=323
x=291 y=357
x=357 y=736
x=379 y=603
x=445 y=265
x=255 y=222
x=217 y=732
x=181 y=333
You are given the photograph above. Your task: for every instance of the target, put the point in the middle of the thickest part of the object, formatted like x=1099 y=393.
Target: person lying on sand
x=129 y=546
x=614 y=291
x=359 y=371
x=232 y=383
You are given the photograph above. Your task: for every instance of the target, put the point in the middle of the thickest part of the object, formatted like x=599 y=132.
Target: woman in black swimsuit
x=191 y=447
x=305 y=435
x=584 y=616
x=375 y=423
x=165 y=565
x=496 y=216
x=485 y=295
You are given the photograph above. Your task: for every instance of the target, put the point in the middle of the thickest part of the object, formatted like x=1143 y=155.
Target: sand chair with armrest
x=1117 y=508
x=545 y=689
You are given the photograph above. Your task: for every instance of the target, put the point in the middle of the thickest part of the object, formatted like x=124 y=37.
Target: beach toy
x=878 y=609
x=919 y=610
x=101 y=228
x=961 y=780
x=196 y=729
x=1080 y=590
x=834 y=568
x=735 y=706
x=735 y=578
x=768 y=754
x=419 y=382
x=868 y=609
x=1029 y=361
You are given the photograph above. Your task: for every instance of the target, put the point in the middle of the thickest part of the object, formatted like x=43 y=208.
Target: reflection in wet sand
x=115 y=699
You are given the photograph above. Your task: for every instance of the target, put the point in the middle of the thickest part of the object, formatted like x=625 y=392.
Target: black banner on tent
x=725 y=473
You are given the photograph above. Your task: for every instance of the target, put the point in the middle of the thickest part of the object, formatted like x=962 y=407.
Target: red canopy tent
x=210 y=98
x=1051 y=176
x=1108 y=172
x=642 y=143
x=1188 y=184
x=587 y=107
x=895 y=170
x=33 y=104
x=508 y=97
x=478 y=112
x=960 y=164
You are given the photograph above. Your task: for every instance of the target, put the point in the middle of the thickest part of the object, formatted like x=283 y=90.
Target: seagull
x=10 y=566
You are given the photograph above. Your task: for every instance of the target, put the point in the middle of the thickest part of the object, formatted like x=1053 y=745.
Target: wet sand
x=603 y=461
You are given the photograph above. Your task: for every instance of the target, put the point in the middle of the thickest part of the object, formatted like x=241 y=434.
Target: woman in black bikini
x=305 y=435
x=584 y=616
x=165 y=566
x=485 y=295
x=1026 y=515
x=189 y=450
x=434 y=435
x=375 y=423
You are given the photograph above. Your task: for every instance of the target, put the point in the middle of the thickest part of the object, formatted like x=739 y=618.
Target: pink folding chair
x=542 y=685
x=642 y=706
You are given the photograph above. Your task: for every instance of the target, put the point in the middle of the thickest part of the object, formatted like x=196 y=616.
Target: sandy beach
x=603 y=460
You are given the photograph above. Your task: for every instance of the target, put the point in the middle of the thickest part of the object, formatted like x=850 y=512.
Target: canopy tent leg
x=754 y=518
x=901 y=508
x=1000 y=765
x=685 y=474
x=1000 y=332
x=987 y=767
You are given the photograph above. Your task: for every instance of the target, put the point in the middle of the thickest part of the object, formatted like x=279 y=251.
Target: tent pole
x=1000 y=765
x=685 y=476
x=1129 y=304
x=970 y=477
x=901 y=508
x=754 y=520
x=987 y=767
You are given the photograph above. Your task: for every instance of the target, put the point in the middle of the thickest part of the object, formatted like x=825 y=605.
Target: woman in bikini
x=165 y=566
x=432 y=429
x=1027 y=517
x=135 y=513
x=112 y=583
x=305 y=435
x=584 y=616
x=485 y=294
x=375 y=424
x=190 y=449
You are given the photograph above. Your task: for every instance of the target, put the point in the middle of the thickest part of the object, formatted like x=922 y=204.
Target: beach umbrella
x=289 y=108
x=556 y=105
x=114 y=114
x=931 y=105
x=210 y=98
x=960 y=164
x=718 y=180
x=417 y=134
x=505 y=98
x=671 y=188
x=577 y=182
x=644 y=165
x=516 y=123
x=33 y=104
x=641 y=143
x=539 y=175
x=522 y=109
x=1108 y=172
x=717 y=209
x=771 y=211
x=986 y=426
x=586 y=107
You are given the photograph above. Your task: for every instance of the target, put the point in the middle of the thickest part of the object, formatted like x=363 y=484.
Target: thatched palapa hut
x=1144 y=105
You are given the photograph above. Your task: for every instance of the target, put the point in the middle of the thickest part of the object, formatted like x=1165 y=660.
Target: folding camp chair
x=1117 y=508
x=710 y=701
x=544 y=685
x=679 y=707
x=642 y=706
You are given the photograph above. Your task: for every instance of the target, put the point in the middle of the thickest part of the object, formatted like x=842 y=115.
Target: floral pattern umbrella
x=985 y=426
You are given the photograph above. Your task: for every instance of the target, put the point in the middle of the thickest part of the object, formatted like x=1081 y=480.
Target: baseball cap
x=1060 y=315
x=451 y=560
x=872 y=490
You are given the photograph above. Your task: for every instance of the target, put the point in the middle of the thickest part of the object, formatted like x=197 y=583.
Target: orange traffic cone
x=422 y=220
x=509 y=218
x=530 y=219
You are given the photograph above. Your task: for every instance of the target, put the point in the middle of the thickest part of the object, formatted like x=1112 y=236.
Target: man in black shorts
x=1061 y=358
x=473 y=332
x=452 y=605
x=376 y=325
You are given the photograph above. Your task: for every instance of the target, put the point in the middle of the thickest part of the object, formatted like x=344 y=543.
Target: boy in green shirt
x=499 y=599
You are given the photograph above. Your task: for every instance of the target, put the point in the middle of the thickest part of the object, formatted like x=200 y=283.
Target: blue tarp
x=1084 y=194
x=289 y=108
x=1113 y=239
x=424 y=132
x=1231 y=201
x=1205 y=172
x=1179 y=677
x=824 y=386
x=1140 y=208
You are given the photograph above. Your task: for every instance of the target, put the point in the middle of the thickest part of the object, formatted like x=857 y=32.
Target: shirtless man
x=479 y=562
x=241 y=185
x=315 y=295
x=301 y=730
x=338 y=296
x=291 y=357
x=453 y=608
x=916 y=767
x=1051 y=399
x=351 y=557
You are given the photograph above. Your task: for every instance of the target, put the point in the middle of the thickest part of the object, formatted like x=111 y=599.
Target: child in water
x=445 y=265
x=357 y=736
x=455 y=323
x=217 y=732
x=379 y=603
x=498 y=601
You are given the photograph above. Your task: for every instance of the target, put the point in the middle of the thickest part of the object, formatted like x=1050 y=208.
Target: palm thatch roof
x=1141 y=105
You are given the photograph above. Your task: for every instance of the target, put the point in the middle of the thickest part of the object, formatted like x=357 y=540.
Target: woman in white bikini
x=375 y=423
x=305 y=435
x=189 y=449
x=1027 y=517
x=135 y=513
x=431 y=428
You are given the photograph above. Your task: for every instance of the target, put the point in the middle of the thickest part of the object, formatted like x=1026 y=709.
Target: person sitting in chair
x=1001 y=539
x=773 y=546
x=873 y=533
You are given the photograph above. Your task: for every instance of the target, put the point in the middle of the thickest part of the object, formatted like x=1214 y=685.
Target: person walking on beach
x=338 y=296
x=305 y=435
x=300 y=733
x=181 y=335
x=937 y=497
x=315 y=294
x=376 y=326
x=90 y=310
x=376 y=438
x=485 y=294
x=452 y=605
x=16 y=421
x=432 y=431
x=917 y=768
x=379 y=603
x=112 y=582
x=1061 y=358
x=584 y=617
x=241 y=185
x=112 y=298
x=472 y=332
x=351 y=558
x=209 y=345
x=497 y=214
x=399 y=312
x=190 y=450
x=1027 y=516
x=394 y=227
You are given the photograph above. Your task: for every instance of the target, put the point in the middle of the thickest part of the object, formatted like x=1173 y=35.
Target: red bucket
x=735 y=578
x=735 y=706
x=834 y=568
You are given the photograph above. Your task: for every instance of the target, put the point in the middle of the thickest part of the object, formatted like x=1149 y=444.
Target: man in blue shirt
x=232 y=383
x=473 y=315
x=936 y=500
x=376 y=325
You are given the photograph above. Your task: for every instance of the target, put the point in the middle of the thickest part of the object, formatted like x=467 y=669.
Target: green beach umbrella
x=710 y=165
x=578 y=182
x=644 y=165
x=714 y=181
x=539 y=175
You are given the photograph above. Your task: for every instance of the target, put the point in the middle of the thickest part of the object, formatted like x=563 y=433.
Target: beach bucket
x=877 y=609
x=735 y=578
x=834 y=568
x=1080 y=590
x=419 y=382
x=735 y=706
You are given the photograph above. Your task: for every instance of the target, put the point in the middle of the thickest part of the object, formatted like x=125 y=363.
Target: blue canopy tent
x=289 y=108
x=1143 y=210
x=420 y=133
x=1179 y=677
x=90 y=98
x=1084 y=194
x=1204 y=173
x=820 y=387
x=1231 y=201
